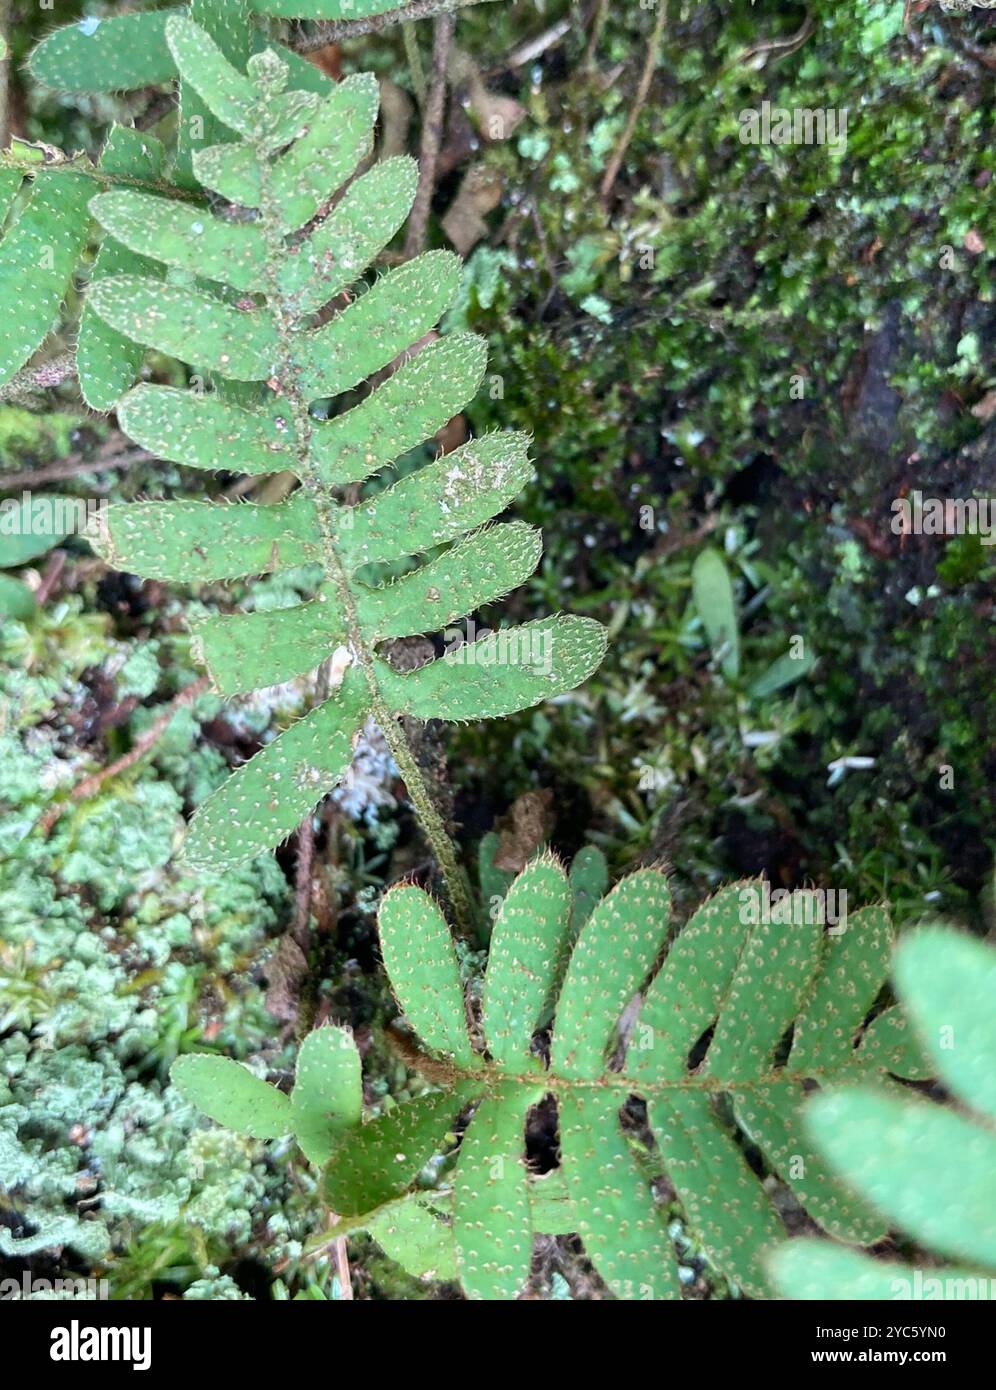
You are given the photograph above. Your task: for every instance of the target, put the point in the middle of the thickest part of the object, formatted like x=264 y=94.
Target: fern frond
x=706 y=1044
x=237 y=299
x=927 y=1167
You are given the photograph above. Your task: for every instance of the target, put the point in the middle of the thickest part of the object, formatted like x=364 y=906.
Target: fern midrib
x=287 y=329
x=435 y=1069
x=80 y=164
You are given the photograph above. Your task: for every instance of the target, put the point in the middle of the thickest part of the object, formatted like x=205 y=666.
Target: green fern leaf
x=925 y=1166
x=228 y=1092
x=200 y=542
x=526 y=958
x=339 y=137
x=327 y=1099
x=114 y=54
x=515 y=668
x=344 y=244
x=249 y=651
x=106 y=361
x=383 y=1158
x=614 y=954
x=705 y=1095
x=207 y=431
x=886 y=1146
x=476 y=571
x=421 y=961
x=491 y=1220
x=410 y=406
x=712 y=593
x=255 y=324
x=182 y=236
x=617 y=1215
x=239 y=344
x=271 y=794
x=948 y=983
x=38 y=255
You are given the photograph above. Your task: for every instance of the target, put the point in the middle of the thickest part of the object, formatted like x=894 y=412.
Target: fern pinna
x=740 y=1023
x=239 y=300
x=706 y=1051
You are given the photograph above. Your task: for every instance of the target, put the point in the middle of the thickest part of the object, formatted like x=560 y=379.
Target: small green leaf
x=207 y=431
x=927 y=1168
x=228 y=94
x=327 y=1099
x=618 y=1219
x=204 y=541
x=772 y=977
x=190 y=324
x=492 y=1228
x=231 y=170
x=687 y=993
x=947 y=982
x=383 y=1158
x=344 y=243
x=445 y=499
x=228 y=1093
x=479 y=570
x=816 y=1270
x=189 y=238
x=339 y=136
x=16 y=599
x=38 y=255
x=270 y=795
x=414 y=1233
x=513 y=669
x=249 y=651
x=724 y=1203
x=31 y=526
x=712 y=593
x=785 y=670
x=855 y=961
x=589 y=878
x=388 y=318
x=525 y=959
x=415 y=401
x=115 y=54
x=421 y=961
x=774 y=1117
x=614 y=955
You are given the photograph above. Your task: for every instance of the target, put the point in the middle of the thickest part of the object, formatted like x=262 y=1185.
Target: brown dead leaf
x=478 y=194
x=985 y=409
x=286 y=971
x=524 y=829
x=497 y=116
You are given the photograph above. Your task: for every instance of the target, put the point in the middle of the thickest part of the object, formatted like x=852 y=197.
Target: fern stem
x=428 y=813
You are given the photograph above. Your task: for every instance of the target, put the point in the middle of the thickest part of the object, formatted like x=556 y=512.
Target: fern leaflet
x=238 y=301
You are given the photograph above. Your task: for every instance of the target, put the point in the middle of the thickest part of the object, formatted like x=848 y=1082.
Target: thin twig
x=91 y=785
x=335 y=30
x=342 y=1269
x=53 y=570
x=302 y=881
x=646 y=77
x=4 y=72
x=597 y=24
x=432 y=134
x=414 y=62
x=56 y=472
